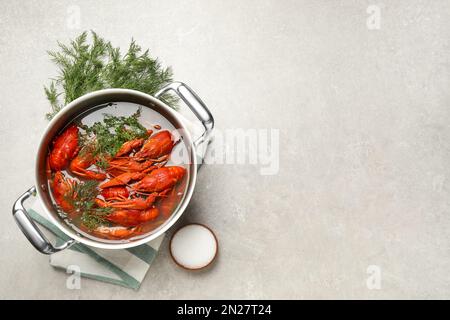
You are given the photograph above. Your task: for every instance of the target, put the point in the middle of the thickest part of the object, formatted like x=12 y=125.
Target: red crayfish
x=65 y=147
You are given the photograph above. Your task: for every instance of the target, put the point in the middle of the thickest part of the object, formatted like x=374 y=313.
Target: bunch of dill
x=86 y=67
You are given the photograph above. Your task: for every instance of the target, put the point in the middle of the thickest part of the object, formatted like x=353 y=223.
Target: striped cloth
x=126 y=267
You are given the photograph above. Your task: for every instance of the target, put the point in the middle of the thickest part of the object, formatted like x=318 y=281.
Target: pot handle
x=29 y=228
x=196 y=105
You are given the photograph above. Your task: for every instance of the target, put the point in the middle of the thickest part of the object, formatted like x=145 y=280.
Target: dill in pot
x=82 y=197
x=110 y=134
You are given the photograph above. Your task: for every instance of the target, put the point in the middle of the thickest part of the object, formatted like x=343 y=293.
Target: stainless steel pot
x=83 y=105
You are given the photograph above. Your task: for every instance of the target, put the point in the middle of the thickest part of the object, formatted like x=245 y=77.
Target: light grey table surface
x=364 y=142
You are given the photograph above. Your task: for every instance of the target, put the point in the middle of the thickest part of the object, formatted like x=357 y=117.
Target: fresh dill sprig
x=82 y=197
x=84 y=192
x=102 y=162
x=86 y=67
x=95 y=217
x=112 y=132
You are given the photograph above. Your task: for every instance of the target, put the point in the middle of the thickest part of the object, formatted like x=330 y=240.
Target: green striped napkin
x=126 y=267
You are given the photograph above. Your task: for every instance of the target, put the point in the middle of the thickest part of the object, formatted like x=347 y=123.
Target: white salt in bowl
x=194 y=246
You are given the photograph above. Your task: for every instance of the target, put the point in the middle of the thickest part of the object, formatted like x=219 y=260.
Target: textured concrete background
x=364 y=142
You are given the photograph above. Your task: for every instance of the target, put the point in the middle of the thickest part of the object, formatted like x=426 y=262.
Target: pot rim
x=69 y=231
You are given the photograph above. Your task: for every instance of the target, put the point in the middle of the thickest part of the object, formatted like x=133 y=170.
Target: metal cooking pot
x=85 y=104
